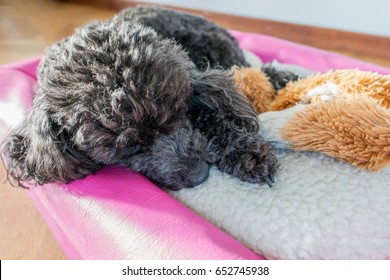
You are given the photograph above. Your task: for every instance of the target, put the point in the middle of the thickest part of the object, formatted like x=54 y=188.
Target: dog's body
x=208 y=45
x=119 y=93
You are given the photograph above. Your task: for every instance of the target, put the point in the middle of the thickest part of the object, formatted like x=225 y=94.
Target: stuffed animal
x=347 y=114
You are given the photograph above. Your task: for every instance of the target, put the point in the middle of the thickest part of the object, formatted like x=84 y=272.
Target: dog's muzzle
x=199 y=174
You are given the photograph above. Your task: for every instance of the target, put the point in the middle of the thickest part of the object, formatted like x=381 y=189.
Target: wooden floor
x=26 y=28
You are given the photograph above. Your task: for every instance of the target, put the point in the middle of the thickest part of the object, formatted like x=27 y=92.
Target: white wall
x=364 y=16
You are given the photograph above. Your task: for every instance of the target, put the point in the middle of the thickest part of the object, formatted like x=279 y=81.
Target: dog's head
x=104 y=94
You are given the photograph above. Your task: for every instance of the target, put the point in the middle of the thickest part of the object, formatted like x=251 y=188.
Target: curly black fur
x=181 y=157
x=207 y=44
x=119 y=93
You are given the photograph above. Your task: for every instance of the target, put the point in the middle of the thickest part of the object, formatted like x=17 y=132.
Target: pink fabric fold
x=269 y=48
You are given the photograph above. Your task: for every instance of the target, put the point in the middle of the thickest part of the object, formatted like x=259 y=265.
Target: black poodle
x=117 y=92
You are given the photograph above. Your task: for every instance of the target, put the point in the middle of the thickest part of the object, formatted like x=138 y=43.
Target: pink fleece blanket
x=118 y=214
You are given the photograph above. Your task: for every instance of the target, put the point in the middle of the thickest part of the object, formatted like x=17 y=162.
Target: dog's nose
x=199 y=174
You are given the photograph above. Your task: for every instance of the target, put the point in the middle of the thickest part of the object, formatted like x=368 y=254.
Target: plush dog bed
x=319 y=208
x=328 y=211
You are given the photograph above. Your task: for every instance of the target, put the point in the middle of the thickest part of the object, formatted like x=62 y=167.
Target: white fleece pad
x=319 y=208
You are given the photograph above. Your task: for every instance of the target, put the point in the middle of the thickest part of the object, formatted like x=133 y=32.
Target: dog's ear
x=38 y=150
x=214 y=92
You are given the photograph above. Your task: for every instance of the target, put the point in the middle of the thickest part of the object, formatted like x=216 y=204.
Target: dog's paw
x=278 y=78
x=257 y=166
x=252 y=160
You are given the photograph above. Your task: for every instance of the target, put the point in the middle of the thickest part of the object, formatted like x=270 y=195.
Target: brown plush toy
x=347 y=113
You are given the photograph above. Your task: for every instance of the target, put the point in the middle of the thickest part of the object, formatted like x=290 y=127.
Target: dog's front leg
x=249 y=158
x=229 y=122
